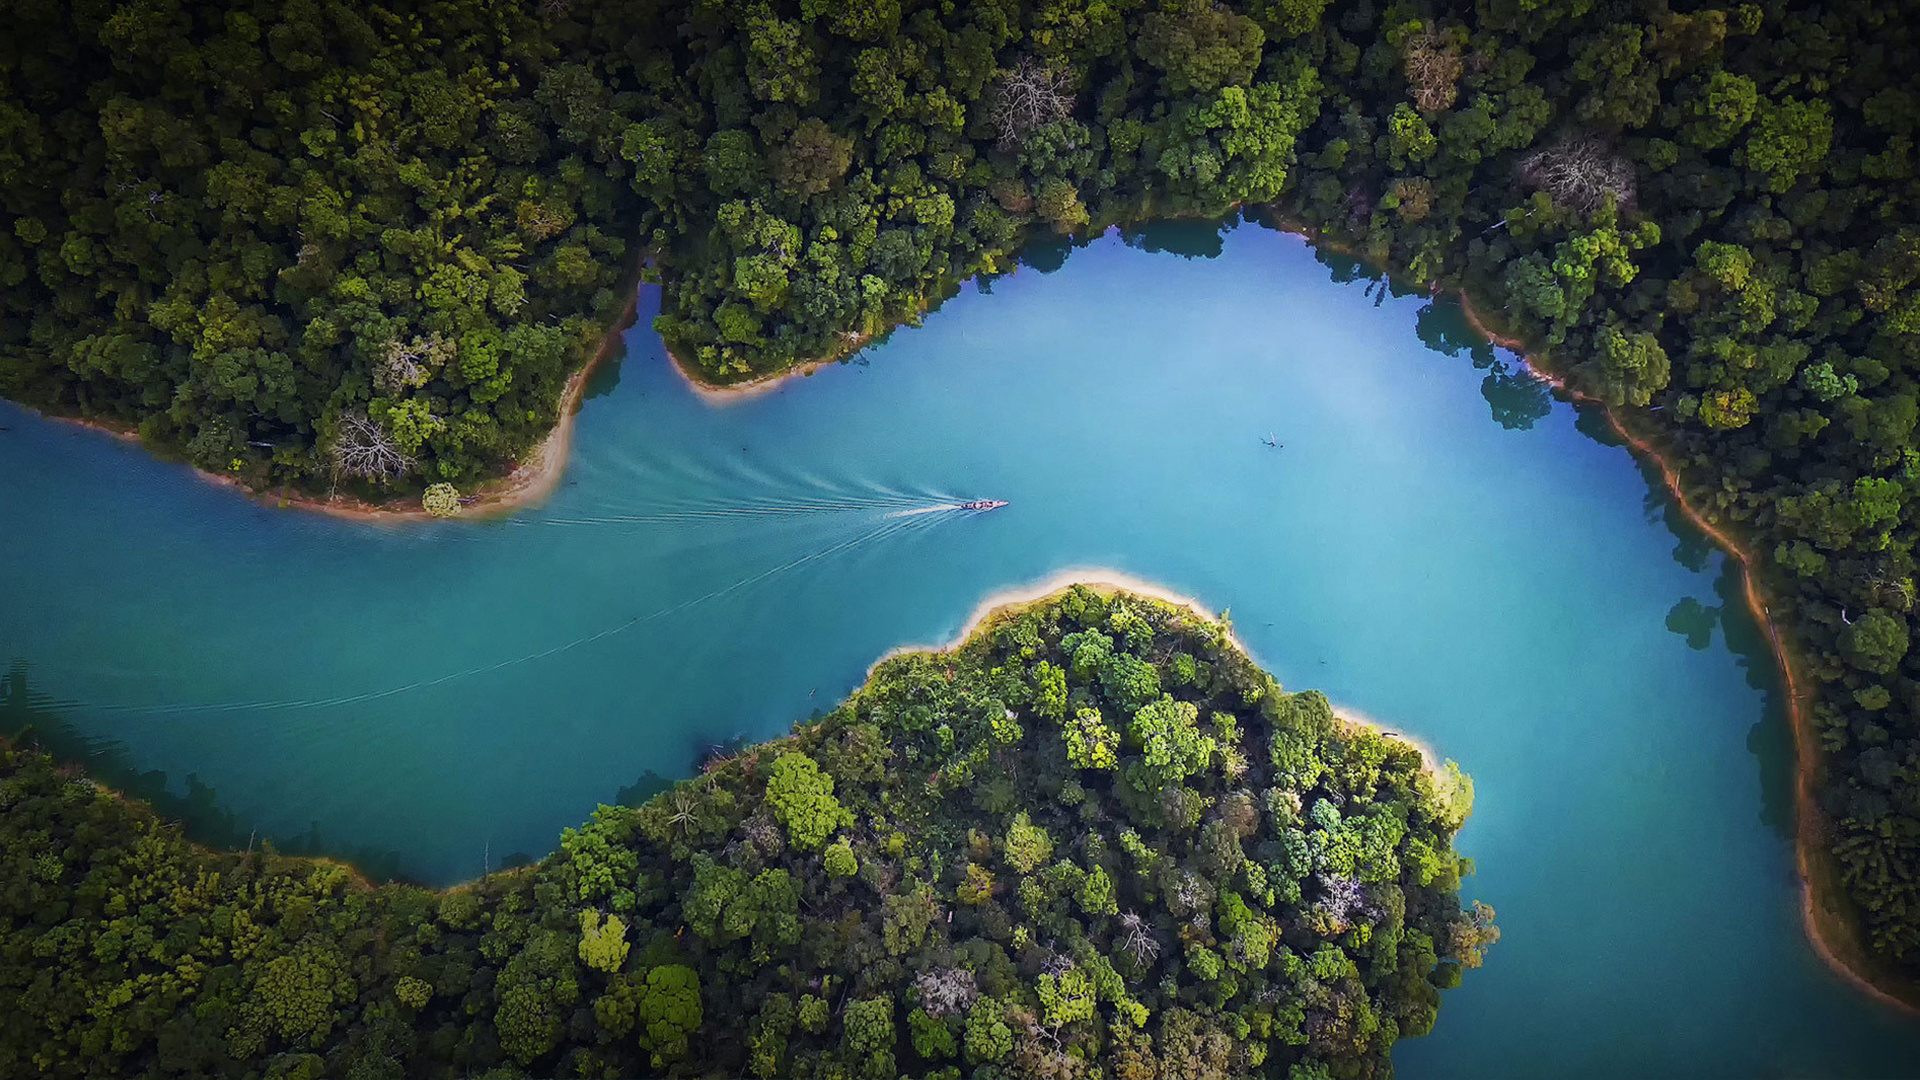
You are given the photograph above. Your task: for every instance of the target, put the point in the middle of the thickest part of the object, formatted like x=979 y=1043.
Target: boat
x=983 y=504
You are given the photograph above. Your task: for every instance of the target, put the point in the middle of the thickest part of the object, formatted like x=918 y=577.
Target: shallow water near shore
x=1433 y=542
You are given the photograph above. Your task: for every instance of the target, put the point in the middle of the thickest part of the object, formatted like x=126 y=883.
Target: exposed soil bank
x=528 y=483
x=1831 y=923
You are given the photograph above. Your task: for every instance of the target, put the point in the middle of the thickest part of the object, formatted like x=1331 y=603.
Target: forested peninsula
x=1092 y=839
x=359 y=246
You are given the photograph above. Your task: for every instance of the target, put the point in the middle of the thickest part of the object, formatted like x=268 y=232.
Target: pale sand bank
x=1106 y=581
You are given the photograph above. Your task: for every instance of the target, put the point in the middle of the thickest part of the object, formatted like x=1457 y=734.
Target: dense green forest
x=1094 y=840
x=362 y=244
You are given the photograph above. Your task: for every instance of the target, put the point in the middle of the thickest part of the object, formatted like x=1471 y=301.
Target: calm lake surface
x=1437 y=545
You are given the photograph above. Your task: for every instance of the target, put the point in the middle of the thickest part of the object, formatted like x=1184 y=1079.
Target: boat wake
x=890 y=526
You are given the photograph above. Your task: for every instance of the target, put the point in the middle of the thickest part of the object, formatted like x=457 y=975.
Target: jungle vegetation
x=1093 y=840
x=314 y=242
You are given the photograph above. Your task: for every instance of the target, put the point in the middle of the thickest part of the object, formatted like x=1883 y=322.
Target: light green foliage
x=814 y=1013
x=931 y=1038
x=294 y=995
x=1091 y=651
x=840 y=860
x=1097 y=895
x=527 y=1023
x=1632 y=367
x=1787 y=140
x=726 y=905
x=1250 y=937
x=1065 y=998
x=1204 y=962
x=1825 y=384
x=441 y=500
x=989 y=1039
x=1410 y=140
x=413 y=993
x=1170 y=742
x=802 y=798
x=869 y=1035
x=1091 y=744
x=602 y=863
x=1875 y=642
x=906 y=917
x=1129 y=682
x=1027 y=845
x=1718 y=109
x=1050 y=691
x=669 y=1011
x=603 y=941
x=1200 y=47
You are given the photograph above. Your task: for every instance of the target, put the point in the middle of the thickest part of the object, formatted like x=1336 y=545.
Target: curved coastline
x=1106 y=581
x=1832 y=932
x=527 y=484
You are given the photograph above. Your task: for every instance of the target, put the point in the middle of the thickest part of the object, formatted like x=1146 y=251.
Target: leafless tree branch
x=1030 y=95
x=1580 y=172
x=1433 y=65
x=365 y=449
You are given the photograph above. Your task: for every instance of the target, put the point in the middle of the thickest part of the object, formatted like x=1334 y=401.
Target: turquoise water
x=1437 y=545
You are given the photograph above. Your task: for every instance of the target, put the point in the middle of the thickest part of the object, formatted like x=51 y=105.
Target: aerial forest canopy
x=321 y=243
x=1094 y=840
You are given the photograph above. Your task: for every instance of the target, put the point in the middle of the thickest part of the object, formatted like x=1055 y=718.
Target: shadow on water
x=1771 y=738
x=32 y=720
x=606 y=375
x=1516 y=398
x=1189 y=238
x=1694 y=621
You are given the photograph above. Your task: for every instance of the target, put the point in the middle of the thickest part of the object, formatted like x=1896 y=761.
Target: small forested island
x=1092 y=839
x=361 y=248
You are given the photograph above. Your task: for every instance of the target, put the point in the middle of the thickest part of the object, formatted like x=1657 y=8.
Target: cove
x=1437 y=544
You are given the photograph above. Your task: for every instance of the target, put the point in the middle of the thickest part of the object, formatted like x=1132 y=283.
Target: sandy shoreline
x=1834 y=936
x=529 y=482
x=721 y=394
x=1106 y=581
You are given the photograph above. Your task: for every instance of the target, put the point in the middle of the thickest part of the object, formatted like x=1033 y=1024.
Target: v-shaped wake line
x=888 y=527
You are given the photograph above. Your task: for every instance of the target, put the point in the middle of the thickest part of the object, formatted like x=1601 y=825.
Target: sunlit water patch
x=1390 y=515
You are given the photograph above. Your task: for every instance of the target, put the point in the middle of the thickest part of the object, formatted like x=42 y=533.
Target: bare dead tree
x=946 y=992
x=1137 y=937
x=406 y=364
x=1433 y=65
x=364 y=449
x=1030 y=95
x=1580 y=172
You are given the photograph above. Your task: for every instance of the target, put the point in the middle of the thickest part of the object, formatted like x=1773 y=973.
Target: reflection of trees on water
x=1770 y=740
x=1694 y=621
x=37 y=720
x=1516 y=398
x=1189 y=238
x=1771 y=737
